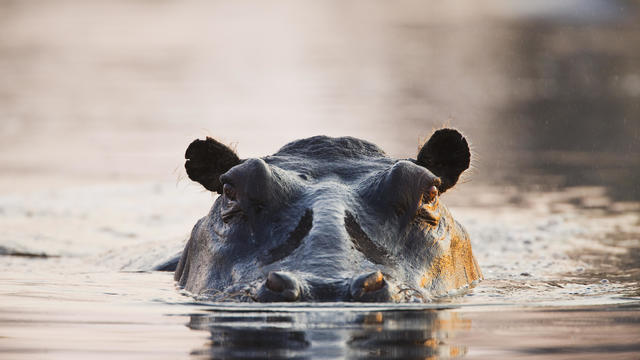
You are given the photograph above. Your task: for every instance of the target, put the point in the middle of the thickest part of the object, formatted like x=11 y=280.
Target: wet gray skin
x=328 y=219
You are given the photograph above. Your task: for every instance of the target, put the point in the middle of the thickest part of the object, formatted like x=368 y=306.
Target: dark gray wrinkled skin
x=299 y=207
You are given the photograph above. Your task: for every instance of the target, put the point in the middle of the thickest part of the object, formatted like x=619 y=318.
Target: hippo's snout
x=280 y=287
x=286 y=287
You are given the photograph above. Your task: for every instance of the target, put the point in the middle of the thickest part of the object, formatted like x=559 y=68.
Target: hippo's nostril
x=373 y=282
x=369 y=287
x=276 y=282
x=283 y=285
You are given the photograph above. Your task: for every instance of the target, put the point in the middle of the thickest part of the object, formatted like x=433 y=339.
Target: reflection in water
x=325 y=333
x=243 y=336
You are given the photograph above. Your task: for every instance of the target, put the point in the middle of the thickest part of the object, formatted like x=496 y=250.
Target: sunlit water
x=98 y=101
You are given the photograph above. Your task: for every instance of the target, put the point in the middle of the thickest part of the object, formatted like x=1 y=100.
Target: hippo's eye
x=231 y=208
x=229 y=191
x=427 y=212
x=430 y=195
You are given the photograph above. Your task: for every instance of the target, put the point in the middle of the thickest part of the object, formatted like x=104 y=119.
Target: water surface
x=98 y=101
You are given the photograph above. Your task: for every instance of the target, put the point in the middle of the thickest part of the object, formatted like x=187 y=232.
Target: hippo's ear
x=207 y=160
x=447 y=155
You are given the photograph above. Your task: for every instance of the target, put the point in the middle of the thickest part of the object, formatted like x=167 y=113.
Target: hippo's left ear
x=207 y=160
x=447 y=155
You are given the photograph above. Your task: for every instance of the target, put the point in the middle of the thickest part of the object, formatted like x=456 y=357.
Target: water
x=98 y=101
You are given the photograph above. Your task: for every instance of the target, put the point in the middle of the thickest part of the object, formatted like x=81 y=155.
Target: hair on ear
x=207 y=160
x=447 y=155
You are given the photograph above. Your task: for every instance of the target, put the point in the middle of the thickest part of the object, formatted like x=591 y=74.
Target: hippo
x=328 y=219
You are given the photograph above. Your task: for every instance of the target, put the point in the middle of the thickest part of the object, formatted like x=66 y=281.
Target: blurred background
x=112 y=91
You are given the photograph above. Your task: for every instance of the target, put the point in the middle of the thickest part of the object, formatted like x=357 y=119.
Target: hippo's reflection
x=329 y=333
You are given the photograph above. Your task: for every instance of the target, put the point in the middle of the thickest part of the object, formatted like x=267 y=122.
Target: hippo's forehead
x=327 y=147
x=343 y=159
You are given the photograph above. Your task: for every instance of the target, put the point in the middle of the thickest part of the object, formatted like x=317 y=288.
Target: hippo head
x=328 y=219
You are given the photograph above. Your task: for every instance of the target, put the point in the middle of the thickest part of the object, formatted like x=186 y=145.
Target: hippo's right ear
x=447 y=155
x=207 y=160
